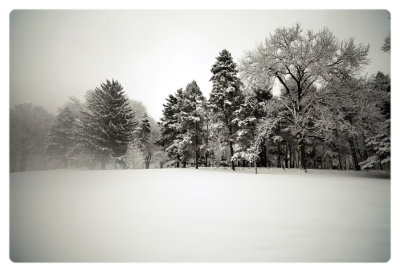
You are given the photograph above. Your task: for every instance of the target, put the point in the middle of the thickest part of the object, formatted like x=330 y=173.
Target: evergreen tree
x=78 y=155
x=169 y=128
x=381 y=92
x=107 y=123
x=61 y=137
x=386 y=44
x=380 y=144
x=192 y=118
x=245 y=135
x=225 y=99
x=181 y=143
x=377 y=130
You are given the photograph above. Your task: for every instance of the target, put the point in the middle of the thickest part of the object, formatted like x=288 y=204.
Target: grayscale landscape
x=200 y=136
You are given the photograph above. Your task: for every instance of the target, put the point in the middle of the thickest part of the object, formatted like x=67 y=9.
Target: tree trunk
x=291 y=156
x=287 y=155
x=279 y=155
x=206 y=157
x=197 y=159
x=354 y=154
x=302 y=155
x=184 y=164
x=147 y=160
x=231 y=149
x=339 y=158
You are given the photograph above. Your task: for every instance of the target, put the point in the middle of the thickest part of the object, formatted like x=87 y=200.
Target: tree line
x=107 y=129
x=298 y=100
x=326 y=115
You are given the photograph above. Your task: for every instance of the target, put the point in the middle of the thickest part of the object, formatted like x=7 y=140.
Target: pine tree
x=380 y=144
x=181 y=143
x=245 y=135
x=107 y=122
x=225 y=98
x=192 y=118
x=169 y=128
x=61 y=137
x=377 y=130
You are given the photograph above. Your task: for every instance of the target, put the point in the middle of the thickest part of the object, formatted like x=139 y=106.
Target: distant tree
x=139 y=109
x=78 y=155
x=61 y=137
x=381 y=92
x=29 y=127
x=143 y=139
x=107 y=123
x=225 y=99
x=386 y=44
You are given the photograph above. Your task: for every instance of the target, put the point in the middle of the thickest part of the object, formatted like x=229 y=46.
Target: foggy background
x=58 y=54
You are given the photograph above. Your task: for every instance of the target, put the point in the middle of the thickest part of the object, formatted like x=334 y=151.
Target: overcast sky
x=58 y=54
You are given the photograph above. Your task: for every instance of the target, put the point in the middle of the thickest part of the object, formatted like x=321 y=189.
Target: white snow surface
x=208 y=215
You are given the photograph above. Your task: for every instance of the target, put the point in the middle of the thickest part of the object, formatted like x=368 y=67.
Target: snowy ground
x=184 y=215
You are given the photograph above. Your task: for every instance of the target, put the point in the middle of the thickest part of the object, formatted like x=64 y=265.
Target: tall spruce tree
x=192 y=118
x=107 y=122
x=225 y=98
x=169 y=129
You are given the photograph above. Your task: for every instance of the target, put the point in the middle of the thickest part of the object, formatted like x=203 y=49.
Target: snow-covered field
x=184 y=215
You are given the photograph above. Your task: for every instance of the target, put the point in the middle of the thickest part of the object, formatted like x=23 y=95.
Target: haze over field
x=184 y=215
